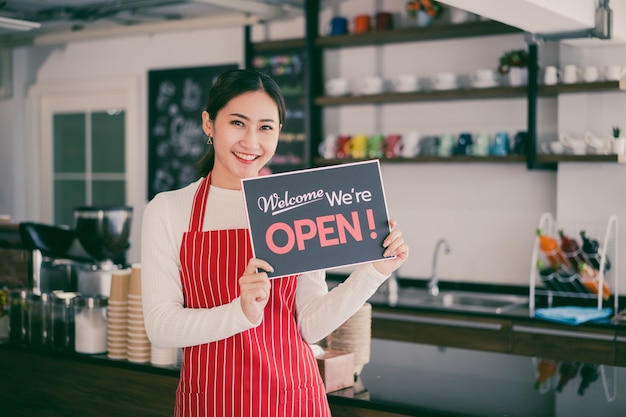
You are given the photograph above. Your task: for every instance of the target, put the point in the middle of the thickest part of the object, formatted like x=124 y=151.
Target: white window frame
x=43 y=100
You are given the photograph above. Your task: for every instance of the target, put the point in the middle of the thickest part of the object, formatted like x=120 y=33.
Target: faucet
x=433 y=283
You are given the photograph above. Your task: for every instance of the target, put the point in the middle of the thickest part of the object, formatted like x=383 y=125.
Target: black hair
x=229 y=85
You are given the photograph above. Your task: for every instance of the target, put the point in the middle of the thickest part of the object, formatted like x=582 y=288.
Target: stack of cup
x=138 y=348
x=355 y=336
x=117 y=326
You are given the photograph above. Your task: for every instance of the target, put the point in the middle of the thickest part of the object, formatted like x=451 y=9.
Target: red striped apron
x=265 y=371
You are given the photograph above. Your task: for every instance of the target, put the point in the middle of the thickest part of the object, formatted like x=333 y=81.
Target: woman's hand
x=255 y=289
x=394 y=245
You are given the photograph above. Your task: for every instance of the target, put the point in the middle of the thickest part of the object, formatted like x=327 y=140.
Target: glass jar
x=18 y=316
x=62 y=320
x=38 y=320
x=91 y=324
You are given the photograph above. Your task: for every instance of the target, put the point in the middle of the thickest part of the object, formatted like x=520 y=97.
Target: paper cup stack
x=138 y=348
x=117 y=325
x=355 y=336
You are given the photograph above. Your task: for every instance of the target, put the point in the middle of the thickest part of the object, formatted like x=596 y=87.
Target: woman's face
x=245 y=135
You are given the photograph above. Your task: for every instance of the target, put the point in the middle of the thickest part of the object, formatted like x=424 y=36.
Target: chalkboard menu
x=286 y=66
x=176 y=141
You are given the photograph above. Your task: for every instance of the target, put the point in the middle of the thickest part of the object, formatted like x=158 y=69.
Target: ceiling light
x=14 y=24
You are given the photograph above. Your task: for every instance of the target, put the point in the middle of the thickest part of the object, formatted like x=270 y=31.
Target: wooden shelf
x=415 y=34
x=620 y=159
x=596 y=87
x=471 y=94
x=431 y=159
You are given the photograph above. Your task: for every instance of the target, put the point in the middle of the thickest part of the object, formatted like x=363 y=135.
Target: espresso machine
x=103 y=232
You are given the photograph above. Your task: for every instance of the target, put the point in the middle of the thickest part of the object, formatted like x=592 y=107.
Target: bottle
x=590 y=279
x=588 y=374
x=592 y=251
x=567 y=370
x=571 y=250
x=546 y=368
x=548 y=276
x=550 y=249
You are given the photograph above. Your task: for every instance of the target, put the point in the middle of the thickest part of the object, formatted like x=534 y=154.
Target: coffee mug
x=328 y=147
x=570 y=74
x=591 y=73
x=428 y=146
x=550 y=75
x=405 y=83
x=446 y=144
x=483 y=76
x=444 y=79
x=338 y=25
x=501 y=145
x=393 y=145
x=375 y=145
x=614 y=72
x=481 y=144
x=337 y=86
x=371 y=85
x=362 y=23
x=410 y=144
x=384 y=21
x=358 y=146
x=343 y=146
x=464 y=144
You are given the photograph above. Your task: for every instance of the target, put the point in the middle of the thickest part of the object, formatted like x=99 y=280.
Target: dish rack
x=609 y=244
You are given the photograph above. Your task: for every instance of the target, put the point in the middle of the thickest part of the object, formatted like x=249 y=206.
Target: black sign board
x=318 y=218
x=176 y=99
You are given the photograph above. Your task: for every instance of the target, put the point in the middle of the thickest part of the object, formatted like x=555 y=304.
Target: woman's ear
x=207 y=124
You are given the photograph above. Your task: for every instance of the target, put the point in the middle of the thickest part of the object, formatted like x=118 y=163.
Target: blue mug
x=501 y=144
x=339 y=26
x=464 y=144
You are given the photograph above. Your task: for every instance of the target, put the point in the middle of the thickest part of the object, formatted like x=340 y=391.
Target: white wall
x=488 y=212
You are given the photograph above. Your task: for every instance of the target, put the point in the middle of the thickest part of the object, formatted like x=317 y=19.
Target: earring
x=209 y=140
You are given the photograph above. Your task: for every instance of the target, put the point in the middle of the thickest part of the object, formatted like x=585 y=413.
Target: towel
x=572 y=315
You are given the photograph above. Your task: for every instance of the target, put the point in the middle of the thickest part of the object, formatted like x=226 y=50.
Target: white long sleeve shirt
x=169 y=324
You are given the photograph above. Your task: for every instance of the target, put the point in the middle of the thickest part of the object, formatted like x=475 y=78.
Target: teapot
x=599 y=145
x=576 y=145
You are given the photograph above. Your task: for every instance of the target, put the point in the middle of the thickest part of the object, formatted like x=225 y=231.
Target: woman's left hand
x=394 y=245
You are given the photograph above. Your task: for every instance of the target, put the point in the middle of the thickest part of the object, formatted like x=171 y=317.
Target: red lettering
x=301 y=235
x=269 y=238
x=325 y=231
x=354 y=229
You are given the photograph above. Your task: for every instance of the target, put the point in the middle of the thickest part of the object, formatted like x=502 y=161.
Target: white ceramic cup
x=371 y=85
x=483 y=76
x=614 y=72
x=570 y=74
x=405 y=83
x=444 y=79
x=328 y=147
x=337 y=86
x=591 y=74
x=550 y=75
x=410 y=144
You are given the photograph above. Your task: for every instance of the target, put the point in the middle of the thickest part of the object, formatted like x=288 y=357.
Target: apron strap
x=196 y=220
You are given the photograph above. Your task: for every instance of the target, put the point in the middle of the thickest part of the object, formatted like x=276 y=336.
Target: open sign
x=318 y=218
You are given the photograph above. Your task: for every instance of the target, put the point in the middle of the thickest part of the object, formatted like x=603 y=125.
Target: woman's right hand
x=255 y=289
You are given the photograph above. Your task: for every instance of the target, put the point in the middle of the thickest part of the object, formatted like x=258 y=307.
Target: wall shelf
x=415 y=34
x=465 y=159
x=620 y=159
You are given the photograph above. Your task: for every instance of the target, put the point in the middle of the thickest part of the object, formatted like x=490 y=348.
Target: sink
x=461 y=300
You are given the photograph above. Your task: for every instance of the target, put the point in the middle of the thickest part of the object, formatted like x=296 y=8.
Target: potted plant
x=424 y=11
x=514 y=64
x=619 y=142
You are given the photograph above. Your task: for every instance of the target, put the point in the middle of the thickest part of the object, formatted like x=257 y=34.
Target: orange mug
x=362 y=23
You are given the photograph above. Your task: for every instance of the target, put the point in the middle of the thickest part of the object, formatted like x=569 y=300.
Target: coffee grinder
x=103 y=232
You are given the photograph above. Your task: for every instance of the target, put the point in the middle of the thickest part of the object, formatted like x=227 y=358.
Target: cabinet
x=581 y=343
x=620 y=347
x=488 y=334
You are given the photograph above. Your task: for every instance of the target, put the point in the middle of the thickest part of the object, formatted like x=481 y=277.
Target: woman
x=245 y=338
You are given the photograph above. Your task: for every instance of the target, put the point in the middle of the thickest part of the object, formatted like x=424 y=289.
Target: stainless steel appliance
x=103 y=232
